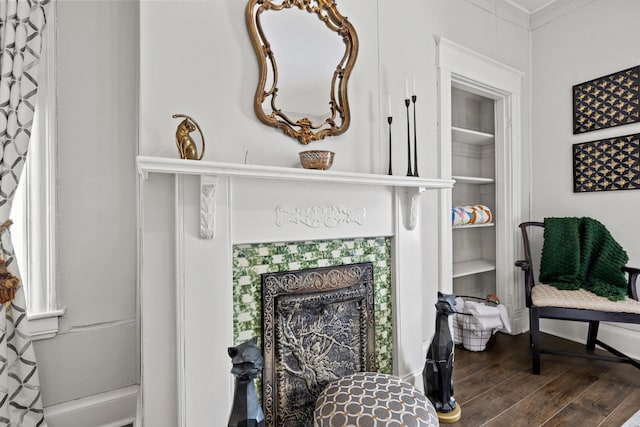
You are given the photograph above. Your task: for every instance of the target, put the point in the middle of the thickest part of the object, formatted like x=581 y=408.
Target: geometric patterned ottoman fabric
x=373 y=399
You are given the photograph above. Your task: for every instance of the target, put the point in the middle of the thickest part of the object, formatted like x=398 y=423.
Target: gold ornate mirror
x=304 y=91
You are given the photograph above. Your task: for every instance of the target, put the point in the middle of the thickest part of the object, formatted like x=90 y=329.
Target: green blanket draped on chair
x=581 y=253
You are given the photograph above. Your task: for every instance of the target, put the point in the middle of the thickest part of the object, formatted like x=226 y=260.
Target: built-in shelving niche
x=473 y=168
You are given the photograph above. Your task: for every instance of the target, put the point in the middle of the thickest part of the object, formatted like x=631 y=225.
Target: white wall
x=95 y=351
x=196 y=58
x=208 y=69
x=598 y=39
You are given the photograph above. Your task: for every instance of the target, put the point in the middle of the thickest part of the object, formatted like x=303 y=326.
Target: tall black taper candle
x=389 y=120
x=409 y=172
x=414 y=98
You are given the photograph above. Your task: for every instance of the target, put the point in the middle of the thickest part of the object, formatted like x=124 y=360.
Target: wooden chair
x=547 y=302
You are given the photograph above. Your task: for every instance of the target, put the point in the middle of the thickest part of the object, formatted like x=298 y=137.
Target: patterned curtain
x=21 y=25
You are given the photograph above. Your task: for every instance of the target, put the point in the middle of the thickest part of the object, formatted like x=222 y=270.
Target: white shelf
x=151 y=164
x=473 y=180
x=468 y=136
x=457 y=227
x=467 y=268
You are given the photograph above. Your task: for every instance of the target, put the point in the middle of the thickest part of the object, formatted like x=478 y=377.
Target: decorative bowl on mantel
x=316 y=159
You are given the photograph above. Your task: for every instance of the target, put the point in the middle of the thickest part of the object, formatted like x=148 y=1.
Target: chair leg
x=534 y=334
x=592 y=335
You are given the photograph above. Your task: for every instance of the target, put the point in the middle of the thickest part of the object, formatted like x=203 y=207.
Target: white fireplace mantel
x=149 y=164
x=192 y=213
x=413 y=186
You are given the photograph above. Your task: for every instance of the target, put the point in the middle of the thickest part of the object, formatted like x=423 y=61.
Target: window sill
x=44 y=325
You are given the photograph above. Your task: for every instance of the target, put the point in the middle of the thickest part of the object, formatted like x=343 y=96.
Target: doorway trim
x=460 y=67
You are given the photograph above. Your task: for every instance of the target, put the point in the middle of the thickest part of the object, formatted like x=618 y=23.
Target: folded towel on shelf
x=474 y=214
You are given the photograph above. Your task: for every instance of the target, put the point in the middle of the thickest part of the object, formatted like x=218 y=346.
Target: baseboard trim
x=414 y=378
x=111 y=409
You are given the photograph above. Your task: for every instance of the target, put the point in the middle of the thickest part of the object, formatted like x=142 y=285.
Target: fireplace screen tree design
x=318 y=325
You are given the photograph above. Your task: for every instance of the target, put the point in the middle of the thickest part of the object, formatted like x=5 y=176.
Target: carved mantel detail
x=316 y=216
x=208 y=186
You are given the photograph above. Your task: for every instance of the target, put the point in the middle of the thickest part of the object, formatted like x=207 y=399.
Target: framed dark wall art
x=607 y=101
x=607 y=165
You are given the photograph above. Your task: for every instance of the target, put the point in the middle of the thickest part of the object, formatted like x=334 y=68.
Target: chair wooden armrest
x=525 y=266
x=631 y=270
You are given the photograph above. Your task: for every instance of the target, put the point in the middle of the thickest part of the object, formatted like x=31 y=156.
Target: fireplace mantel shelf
x=151 y=164
x=209 y=171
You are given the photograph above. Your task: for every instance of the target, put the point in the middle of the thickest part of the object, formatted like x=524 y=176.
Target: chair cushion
x=549 y=296
x=375 y=400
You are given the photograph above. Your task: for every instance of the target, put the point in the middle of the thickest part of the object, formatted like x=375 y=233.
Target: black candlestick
x=414 y=98
x=389 y=120
x=409 y=172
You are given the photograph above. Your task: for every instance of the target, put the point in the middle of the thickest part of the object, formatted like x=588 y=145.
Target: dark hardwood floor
x=496 y=387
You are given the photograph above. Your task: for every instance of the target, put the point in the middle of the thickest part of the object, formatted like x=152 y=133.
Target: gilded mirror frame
x=339 y=115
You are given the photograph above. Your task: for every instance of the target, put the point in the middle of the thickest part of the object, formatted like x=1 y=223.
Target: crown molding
x=505 y=10
x=517 y=15
x=512 y=13
x=555 y=10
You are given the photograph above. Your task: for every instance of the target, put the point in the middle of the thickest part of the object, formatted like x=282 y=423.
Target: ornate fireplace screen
x=318 y=325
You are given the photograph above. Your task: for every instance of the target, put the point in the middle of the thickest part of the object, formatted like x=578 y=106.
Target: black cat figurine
x=437 y=375
x=247 y=362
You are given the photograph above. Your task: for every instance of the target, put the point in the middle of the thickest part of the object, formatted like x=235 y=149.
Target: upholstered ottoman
x=372 y=399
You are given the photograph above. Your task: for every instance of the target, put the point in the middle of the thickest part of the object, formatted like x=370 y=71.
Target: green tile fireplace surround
x=251 y=260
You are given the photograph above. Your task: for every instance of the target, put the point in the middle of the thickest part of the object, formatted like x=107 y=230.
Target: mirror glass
x=306 y=51
x=307 y=55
